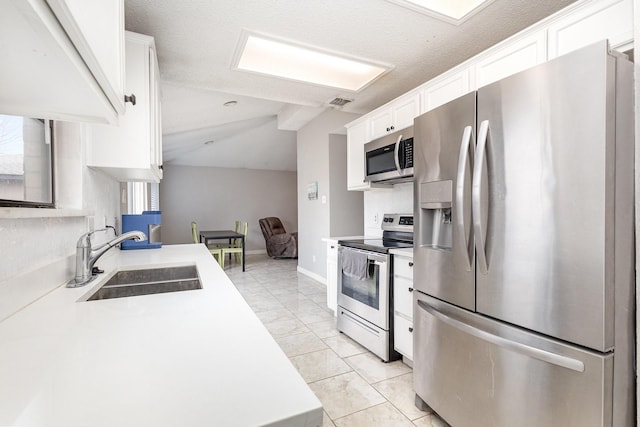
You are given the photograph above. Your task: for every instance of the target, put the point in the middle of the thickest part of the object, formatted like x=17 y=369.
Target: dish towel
x=354 y=264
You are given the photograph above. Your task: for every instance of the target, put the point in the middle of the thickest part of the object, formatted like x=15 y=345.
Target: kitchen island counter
x=198 y=357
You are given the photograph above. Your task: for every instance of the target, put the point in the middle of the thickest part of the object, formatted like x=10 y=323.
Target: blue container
x=149 y=223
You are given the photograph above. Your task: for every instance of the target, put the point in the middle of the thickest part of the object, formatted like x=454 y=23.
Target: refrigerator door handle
x=465 y=145
x=396 y=158
x=526 y=350
x=476 y=196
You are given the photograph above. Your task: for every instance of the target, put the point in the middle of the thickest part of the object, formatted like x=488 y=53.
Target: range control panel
x=397 y=222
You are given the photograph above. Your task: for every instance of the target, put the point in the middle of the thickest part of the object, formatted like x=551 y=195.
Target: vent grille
x=340 y=102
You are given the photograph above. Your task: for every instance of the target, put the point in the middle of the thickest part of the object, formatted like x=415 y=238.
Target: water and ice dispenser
x=435 y=215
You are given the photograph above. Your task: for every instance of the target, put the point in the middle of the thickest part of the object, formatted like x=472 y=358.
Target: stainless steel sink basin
x=128 y=283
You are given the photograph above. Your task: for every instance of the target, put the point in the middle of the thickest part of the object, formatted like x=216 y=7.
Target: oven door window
x=367 y=290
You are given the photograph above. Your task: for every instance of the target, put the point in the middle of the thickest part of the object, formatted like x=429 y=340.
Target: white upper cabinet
x=62 y=59
x=397 y=115
x=607 y=19
x=582 y=23
x=510 y=58
x=356 y=138
x=132 y=151
x=445 y=89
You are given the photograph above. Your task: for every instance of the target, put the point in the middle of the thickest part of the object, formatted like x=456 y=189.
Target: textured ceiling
x=196 y=41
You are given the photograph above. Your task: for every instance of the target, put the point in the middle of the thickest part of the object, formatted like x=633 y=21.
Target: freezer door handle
x=463 y=159
x=526 y=350
x=476 y=196
x=396 y=156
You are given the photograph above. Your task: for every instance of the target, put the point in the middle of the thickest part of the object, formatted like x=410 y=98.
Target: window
x=26 y=162
x=142 y=196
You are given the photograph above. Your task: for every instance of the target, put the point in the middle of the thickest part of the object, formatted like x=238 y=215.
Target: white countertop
x=335 y=239
x=402 y=251
x=188 y=358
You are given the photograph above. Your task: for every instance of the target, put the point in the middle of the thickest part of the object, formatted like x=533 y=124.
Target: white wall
x=314 y=165
x=216 y=197
x=378 y=201
x=344 y=206
x=29 y=244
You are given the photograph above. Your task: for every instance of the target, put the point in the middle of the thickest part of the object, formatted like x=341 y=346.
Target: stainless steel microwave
x=390 y=158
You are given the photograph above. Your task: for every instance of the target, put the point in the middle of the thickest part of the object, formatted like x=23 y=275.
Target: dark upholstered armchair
x=280 y=244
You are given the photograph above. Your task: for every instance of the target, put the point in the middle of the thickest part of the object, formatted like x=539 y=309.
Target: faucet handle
x=85 y=240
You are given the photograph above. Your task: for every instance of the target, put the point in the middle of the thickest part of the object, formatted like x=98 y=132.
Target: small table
x=206 y=236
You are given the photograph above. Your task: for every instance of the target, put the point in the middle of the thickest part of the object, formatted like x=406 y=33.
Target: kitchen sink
x=128 y=283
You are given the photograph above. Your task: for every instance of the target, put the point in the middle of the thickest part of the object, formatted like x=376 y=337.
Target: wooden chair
x=236 y=246
x=215 y=252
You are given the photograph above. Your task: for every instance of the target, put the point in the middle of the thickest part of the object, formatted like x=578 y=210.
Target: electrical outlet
x=375 y=218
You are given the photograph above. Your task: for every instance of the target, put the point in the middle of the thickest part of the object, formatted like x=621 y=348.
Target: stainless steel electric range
x=365 y=297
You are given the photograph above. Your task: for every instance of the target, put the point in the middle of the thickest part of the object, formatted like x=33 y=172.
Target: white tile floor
x=354 y=386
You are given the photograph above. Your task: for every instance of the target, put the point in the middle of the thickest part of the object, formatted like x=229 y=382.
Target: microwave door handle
x=396 y=156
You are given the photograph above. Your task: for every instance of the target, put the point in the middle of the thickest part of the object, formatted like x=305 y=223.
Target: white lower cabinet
x=403 y=305
x=332 y=275
x=132 y=151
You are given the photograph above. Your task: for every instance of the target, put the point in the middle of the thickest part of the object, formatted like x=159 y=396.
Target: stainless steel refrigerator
x=523 y=252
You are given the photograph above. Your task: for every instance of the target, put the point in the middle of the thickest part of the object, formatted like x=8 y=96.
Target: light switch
x=324 y=200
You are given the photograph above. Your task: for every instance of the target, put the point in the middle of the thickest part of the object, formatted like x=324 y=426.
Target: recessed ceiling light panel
x=266 y=55
x=452 y=11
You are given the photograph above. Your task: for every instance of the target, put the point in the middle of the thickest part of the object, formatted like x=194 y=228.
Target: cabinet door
x=403 y=296
x=381 y=123
x=611 y=19
x=405 y=110
x=511 y=58
x=97 y=32
x=395 y=116
x=45 y=74
x=403 y=285
x=156 y=114
x=356 y=138
x=403 y=336
x=445 y=90
x=130 y=151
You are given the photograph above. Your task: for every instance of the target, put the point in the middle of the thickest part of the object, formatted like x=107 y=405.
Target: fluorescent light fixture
x=453 y=11
x=266 y=55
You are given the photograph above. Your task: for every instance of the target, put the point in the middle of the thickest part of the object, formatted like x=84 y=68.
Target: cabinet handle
x=392 y=128
x=410 y=264
x=130 y=98
x=410 y=329
x=410 y=289
x=388 y=129
x=332 y=247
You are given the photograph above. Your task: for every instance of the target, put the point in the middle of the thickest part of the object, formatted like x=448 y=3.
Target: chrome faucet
x=86 y=256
